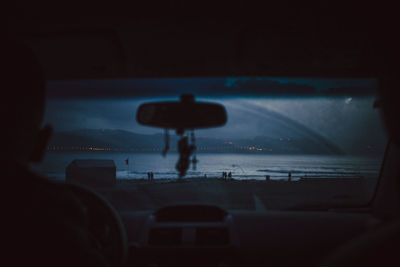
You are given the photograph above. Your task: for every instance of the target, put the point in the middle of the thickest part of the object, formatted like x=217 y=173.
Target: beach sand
x=241 y=194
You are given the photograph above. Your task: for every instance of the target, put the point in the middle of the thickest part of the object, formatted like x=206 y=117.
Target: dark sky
x=341 y=118
x=250 y=86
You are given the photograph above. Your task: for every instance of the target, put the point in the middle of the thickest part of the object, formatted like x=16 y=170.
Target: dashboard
x=204 y=235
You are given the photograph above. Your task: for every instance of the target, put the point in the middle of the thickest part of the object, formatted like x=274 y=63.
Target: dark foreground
x=241 y=194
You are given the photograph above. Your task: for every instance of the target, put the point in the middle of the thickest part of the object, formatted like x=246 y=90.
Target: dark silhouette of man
x=43 y=223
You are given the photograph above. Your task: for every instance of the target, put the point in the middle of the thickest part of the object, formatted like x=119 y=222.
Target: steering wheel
x=106 y=229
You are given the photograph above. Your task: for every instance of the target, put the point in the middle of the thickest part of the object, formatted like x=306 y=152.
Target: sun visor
x=147 y=52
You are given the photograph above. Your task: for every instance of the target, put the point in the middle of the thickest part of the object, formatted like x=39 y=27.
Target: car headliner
x=283 y=39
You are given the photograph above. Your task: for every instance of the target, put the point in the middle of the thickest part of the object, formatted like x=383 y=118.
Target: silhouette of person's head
x=22 y=105
x=388 y=49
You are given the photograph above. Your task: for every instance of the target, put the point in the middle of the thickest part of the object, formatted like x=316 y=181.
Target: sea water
x=242 y=166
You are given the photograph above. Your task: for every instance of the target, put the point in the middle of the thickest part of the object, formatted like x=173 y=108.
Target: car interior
x=89 y=58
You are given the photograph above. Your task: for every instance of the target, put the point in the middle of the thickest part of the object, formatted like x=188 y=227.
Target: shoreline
x=219 y=179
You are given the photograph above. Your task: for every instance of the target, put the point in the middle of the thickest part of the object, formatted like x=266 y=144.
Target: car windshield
x=289 y=143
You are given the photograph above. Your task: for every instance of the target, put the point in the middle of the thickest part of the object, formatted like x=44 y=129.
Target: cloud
x=270 y=87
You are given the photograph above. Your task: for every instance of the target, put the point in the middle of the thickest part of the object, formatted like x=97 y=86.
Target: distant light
x=348 y=100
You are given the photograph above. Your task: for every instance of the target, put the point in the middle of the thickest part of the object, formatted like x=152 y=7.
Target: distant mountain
x=129 y=141
x=106 y=138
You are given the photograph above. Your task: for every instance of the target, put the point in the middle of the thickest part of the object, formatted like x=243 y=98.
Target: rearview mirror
x=186 y=114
